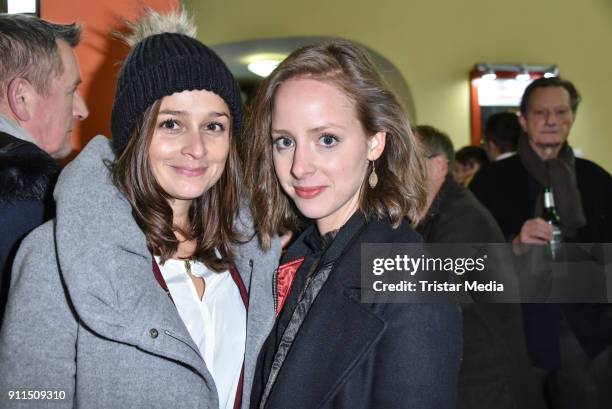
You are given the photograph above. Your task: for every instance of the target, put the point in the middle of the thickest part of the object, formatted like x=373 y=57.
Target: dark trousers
x=582 y=382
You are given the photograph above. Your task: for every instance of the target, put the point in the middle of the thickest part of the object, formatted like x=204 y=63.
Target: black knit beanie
x=161 y=65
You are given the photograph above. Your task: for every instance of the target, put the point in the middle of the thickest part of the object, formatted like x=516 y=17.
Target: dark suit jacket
x=510 y=193
x=353 y=355
x=456 y=216
x=495 y=370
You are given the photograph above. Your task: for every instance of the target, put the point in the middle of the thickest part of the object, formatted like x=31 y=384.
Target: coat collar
x=116 y=295
x=339 y=330
x=26 y=171
x=10 y=127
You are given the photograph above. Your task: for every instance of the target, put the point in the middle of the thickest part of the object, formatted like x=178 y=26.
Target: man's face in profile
x=54 y=113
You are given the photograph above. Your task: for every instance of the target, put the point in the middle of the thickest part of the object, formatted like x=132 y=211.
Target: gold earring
x=373 y=179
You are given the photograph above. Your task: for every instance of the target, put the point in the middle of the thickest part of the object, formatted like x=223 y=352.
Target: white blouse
x=217 y=323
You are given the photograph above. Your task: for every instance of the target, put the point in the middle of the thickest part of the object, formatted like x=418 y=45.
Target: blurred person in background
x=468 y=161
x=39 y=104
x=495 y=370
x=501 y=135
x=569 y=344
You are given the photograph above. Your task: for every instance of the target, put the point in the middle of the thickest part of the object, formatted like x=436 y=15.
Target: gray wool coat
x=86 y=316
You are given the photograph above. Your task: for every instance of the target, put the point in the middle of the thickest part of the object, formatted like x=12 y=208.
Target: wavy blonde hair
x=400 y=192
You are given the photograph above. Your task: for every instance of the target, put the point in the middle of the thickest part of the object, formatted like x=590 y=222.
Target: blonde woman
x=329 y=143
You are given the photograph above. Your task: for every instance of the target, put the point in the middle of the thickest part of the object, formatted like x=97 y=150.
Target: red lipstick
x=308 y=192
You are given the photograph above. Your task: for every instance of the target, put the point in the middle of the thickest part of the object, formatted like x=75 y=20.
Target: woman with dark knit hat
x=149 y=289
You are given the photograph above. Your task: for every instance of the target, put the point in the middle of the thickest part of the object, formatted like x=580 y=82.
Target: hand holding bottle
x=541 y=230
x=535 y=231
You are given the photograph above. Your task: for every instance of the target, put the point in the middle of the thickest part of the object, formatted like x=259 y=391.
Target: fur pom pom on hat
x=165 y=59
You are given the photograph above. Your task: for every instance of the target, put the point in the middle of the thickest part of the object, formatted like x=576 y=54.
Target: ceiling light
x=488 y=72
x=554 y=72
x=262 y=64
x=263 y=68
x=21 y=6
x=523 y=74
x=489 y=76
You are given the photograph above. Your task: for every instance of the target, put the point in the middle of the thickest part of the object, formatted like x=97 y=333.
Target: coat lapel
x=256 y=269
x=338 y=331
x=158 y=328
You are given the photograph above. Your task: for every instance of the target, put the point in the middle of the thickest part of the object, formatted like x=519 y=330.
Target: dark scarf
x=560 y=174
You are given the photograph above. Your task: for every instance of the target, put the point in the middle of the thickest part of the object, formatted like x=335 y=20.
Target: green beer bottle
x=552 y=217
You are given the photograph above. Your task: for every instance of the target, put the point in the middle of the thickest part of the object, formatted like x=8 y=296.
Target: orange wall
x=99 y=53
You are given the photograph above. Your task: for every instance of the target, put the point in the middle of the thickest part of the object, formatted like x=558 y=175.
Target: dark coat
x=354 y=355
x=27 y=176
x=510 y=193
x=456 y=216
x=495 y=370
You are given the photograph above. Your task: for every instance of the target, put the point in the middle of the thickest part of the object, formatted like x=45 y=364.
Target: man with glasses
x=569 y=344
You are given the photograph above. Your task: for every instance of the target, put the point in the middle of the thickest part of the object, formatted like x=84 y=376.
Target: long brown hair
x=400 y=191
x=211 y=216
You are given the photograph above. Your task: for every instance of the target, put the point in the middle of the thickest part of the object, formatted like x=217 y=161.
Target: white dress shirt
x=505 y=155
x=217 y=323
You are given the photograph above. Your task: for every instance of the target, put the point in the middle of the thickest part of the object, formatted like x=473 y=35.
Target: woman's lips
x=308 y=192
x=192 y=172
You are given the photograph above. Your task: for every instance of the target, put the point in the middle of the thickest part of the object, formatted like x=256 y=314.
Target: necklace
x=194 y=278
x=188 y=266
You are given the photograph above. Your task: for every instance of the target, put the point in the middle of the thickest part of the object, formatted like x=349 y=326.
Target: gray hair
x=435 y=142
x=28 y=49
x=544 y=82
